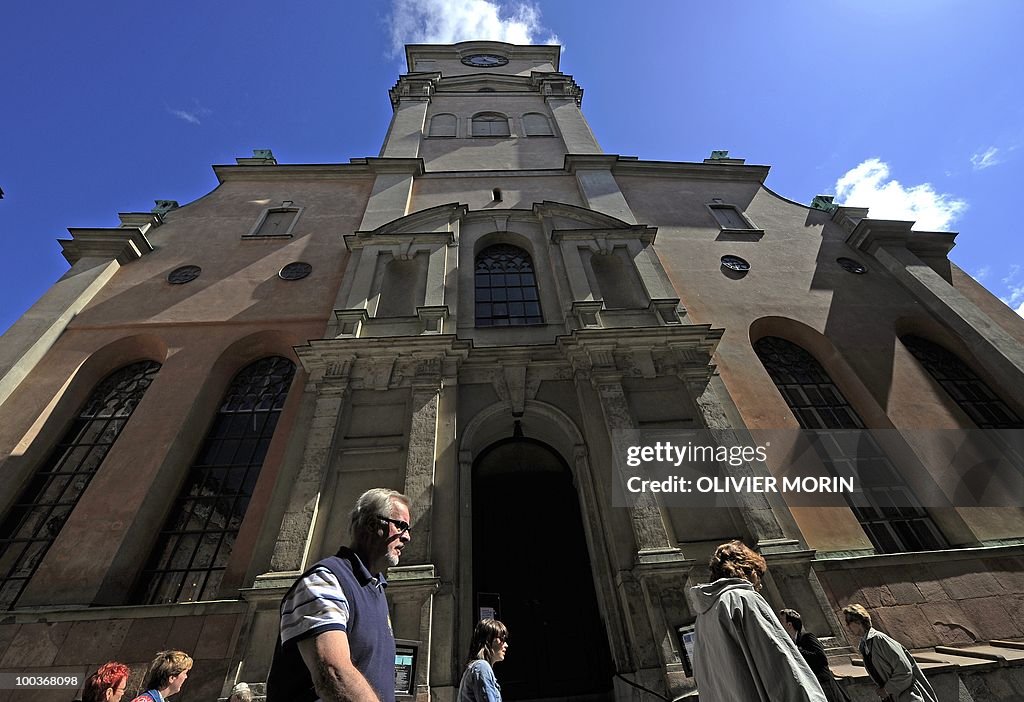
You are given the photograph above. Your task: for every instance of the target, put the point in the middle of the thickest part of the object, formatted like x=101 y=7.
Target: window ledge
x=740 y=235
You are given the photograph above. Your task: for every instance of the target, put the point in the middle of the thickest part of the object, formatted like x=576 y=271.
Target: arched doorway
x=530 y=560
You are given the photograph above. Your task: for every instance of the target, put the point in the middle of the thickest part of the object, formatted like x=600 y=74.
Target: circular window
x=852 y=266
x=295 y=271
x=735 y=263
x=183 y=274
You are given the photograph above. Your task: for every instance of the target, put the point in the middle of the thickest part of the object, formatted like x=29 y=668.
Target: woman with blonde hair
x=165 y=676
x=490 y=642
x=741 y=651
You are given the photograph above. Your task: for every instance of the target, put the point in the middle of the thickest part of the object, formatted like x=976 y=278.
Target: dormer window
x=490 y=124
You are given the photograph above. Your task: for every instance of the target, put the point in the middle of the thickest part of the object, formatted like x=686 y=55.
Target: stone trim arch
x=873 y=415
x=553 y=427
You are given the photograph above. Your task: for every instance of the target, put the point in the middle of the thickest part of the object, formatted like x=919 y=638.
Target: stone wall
x=934 y=599
x=77 y=642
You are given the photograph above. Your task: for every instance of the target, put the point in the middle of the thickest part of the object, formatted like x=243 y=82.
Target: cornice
x=629 y=165
x=458 y=51
x=871 y=234
x=642 y=232
x=701 y=171
x=123 y=244
x=557 y=85
x=413 y=86
x=355 y=168
x=472 y=82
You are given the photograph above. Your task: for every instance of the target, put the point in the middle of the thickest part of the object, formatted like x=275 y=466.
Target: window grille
x=194 y=546
x=32 y=524
x=490 y=124
x=506 y=288
x=890 y=514
x=963 y=385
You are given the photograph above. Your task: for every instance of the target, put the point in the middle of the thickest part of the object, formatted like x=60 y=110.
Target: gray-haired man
x=336 y=642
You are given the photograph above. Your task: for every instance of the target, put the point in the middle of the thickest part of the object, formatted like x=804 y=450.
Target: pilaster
x=95 y=256
x=598 y=186
x=330 y=385
x=900 y=250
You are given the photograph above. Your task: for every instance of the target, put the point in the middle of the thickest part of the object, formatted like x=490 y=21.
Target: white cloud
x=985 y=159
x=868 y=185
x=451 y=21
x=1014 y=269
x=1015 y=297
x=190 y=116
x=982 y=273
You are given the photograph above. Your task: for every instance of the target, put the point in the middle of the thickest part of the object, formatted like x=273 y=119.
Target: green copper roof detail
x=824 y=203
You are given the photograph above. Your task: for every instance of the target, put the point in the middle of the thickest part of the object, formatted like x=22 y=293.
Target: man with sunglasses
x=336 y=641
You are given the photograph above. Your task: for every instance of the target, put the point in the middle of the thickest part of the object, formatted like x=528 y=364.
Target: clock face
x=484 y=60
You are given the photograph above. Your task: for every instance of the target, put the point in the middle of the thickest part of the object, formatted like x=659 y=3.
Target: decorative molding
x=122 y=244
x=434 y=318
x=413 y=86
x=388 y=362
x=350 y=322
x=683 y=350
x=588 y=313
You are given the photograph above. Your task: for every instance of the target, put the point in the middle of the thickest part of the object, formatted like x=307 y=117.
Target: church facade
x=496 y=318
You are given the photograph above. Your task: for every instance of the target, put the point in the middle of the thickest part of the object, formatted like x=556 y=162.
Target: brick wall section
x=79 y=647
x=926 y=600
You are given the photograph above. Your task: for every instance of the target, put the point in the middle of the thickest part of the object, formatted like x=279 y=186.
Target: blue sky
x=914 y=109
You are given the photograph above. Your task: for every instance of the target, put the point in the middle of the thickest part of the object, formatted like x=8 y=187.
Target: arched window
x=506 y=288
x=194 y=546
x=443 y=125
x=970 y=392
x=536 y=124
x=490 y=124
x=890 y=514
x=33 y=523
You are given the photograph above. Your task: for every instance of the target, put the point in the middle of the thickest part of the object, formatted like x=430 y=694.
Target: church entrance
x=532 y=567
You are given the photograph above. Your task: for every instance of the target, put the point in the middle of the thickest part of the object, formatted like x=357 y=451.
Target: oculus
x=735 y=263
x=183 y=274
x=852 y=266
x=295 y=271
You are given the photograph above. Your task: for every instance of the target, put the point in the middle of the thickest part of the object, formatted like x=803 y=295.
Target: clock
x=484 y=60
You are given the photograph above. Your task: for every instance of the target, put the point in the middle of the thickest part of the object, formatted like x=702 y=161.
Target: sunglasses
x=401 y=525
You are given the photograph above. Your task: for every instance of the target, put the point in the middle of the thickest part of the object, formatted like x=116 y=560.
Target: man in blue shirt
x=336 y=642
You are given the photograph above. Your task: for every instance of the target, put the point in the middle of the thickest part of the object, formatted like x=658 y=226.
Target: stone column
x=292 y=550
x=649 y=528
x=411 y=591
x=756 y=510
x=419 y=466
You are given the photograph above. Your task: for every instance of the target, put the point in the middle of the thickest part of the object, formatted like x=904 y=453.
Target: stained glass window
x=32 y=524
x=194 y=546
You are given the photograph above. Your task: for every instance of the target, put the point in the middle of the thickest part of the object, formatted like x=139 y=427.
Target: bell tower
x=486 y=105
